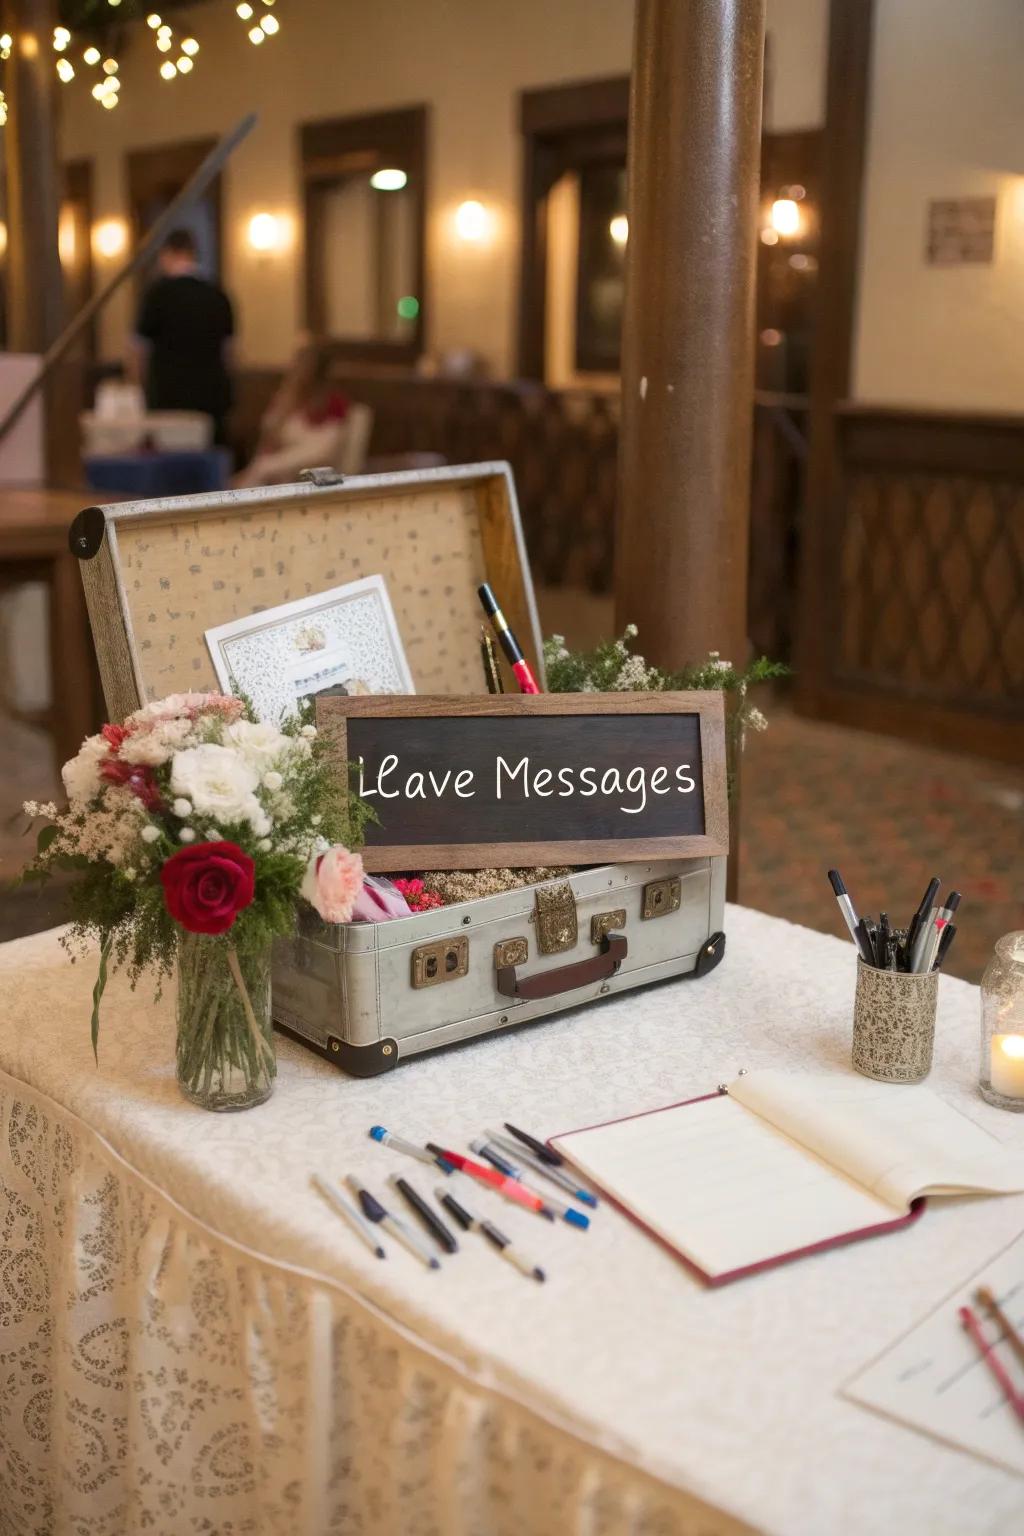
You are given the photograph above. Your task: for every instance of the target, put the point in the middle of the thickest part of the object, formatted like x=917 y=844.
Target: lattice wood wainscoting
x=919 y=604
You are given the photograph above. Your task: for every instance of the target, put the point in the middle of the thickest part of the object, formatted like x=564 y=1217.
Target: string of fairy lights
x=78 y=57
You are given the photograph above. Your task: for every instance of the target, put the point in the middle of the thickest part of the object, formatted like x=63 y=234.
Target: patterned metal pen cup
x=894 y=1023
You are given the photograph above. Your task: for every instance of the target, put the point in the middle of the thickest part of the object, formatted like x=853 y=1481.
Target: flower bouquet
x=192 y=832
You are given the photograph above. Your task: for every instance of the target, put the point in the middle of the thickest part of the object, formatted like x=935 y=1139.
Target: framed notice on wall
x=498 y=780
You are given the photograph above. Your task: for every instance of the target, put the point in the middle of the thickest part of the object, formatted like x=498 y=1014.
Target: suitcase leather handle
x=614 y=948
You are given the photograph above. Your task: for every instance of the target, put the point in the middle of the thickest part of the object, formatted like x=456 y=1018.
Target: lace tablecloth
x=190 y=1342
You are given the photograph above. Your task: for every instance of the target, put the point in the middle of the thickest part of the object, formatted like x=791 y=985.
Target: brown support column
x=34 y=291
x=688 y=334
x=688 y=345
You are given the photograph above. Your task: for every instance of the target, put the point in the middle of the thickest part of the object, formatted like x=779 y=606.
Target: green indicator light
x=408 y=307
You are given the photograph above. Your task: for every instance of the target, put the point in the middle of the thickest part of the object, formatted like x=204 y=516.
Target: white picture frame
x=346 y=636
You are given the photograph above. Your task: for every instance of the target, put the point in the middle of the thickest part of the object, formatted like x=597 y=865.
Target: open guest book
x=783 y=1165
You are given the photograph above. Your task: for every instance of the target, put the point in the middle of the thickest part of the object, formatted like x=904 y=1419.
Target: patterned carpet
x=887 y=814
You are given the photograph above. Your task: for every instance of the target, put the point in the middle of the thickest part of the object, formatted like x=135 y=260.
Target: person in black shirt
x=182 y=337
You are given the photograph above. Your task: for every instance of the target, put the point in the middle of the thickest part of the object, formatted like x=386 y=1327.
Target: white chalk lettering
x=522 y=767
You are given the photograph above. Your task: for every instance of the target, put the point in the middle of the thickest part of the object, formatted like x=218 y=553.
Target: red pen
x=509 y=644
x=510 y=1188
x=999 y=1371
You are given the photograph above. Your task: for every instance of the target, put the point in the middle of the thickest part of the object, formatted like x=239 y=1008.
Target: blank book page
x=721 y=1185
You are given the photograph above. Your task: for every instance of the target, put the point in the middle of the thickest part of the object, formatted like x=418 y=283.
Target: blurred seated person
x=304 y=424
x=181 y=347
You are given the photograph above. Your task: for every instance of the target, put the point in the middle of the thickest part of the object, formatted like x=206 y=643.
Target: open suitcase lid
x=159 y=574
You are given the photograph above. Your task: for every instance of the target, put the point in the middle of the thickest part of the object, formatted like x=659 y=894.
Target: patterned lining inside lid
x=181 y=578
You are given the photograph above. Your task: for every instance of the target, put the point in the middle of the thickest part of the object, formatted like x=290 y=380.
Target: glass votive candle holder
x=1001 y=1073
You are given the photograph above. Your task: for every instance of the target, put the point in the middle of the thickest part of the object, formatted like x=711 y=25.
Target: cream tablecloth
x=189 y=1342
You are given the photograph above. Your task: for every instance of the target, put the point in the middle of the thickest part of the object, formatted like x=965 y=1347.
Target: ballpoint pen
x=511 y=1188
x=389 y=1139
x=518 y=1154
x=918 y=918
x=409 y=1148
x=497 y=1239
x=426 y=1214
x=348 y=1213
x=941 y=918
x=484 y=1149
x=375 y=1212
x=858 y=932
x=536 y=1147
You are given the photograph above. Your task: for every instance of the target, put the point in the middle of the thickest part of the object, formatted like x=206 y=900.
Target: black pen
x=918 y=918
x=941 y=919
x=884 y=939
x=858 y=932
x=948 y=935
x=862 y=939
x=375 y=1212
x=545 y=1153
x=429 y=1217
x=497 y=1239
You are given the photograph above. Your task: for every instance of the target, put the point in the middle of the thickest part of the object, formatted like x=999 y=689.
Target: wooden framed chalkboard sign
x=513 y=779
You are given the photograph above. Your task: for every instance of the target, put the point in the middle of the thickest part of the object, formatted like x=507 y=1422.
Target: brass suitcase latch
x=557 y=924
x=446 y=960
x=661 y=897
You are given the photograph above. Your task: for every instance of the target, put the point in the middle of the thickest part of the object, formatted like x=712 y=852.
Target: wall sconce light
x=3 y=239
x=472 y=222
x=110 y=238
x=266 y=233
x=388 y=179
x=67 y=244
x=786 y=216
x=619 y=229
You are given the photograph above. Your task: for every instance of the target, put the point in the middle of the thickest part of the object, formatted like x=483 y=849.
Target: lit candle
x=1008 y=1065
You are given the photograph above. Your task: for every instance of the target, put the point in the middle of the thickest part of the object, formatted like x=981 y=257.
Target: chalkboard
x=476 y=783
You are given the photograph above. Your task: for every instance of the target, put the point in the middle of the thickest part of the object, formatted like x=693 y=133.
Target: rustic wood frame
x=333 y=715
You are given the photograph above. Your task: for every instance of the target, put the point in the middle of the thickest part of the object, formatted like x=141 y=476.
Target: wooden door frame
x=546 y=116
x=148 y=170
x=327 y=148
x=844 y=148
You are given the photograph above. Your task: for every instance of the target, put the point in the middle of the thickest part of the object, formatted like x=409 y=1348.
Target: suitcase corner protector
x=357 y=1060
x=710 y=954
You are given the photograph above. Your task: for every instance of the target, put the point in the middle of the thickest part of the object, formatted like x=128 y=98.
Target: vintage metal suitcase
x=158 y=574
x=366 y=995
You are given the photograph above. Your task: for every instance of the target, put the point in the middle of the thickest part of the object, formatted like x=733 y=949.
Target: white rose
x=220 y=784
x=260 y=744
x=82 y=774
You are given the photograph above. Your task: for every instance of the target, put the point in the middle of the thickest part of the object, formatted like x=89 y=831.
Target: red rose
x=140 y=781
x=207 y=885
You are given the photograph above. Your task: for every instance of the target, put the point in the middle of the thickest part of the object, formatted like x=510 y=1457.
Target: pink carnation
x=333 y=883
x=188 y=706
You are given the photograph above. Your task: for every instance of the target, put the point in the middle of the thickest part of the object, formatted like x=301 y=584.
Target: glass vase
x=225 y=1053
x=1001 y=1076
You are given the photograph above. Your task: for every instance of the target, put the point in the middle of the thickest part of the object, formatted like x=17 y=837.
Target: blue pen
x=389 y=1139
x=567 y=1213
x=505 y=1147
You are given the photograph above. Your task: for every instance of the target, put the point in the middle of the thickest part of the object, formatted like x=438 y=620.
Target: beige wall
x=947 y=120
x=467 y=58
